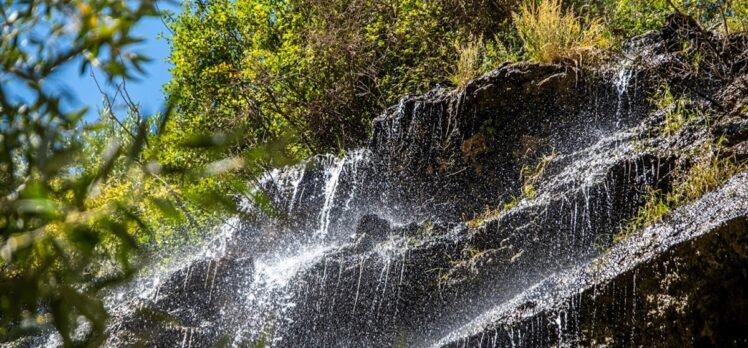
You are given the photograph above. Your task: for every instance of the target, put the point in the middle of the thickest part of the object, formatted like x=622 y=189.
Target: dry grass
x=487 y=214
x=469 y=62
x=551 y=35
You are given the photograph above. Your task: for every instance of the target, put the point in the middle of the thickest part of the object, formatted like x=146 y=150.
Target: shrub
x=319 y=69
x=628 y=18
x=498 y=52
x=551 y=35
x=737 y=17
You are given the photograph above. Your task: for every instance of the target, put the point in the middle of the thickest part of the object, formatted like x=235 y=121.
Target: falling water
x=333 y=169
x=268 y=297
x=621 y=84
x=350 y=263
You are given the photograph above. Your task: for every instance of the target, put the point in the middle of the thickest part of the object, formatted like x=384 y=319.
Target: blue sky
x=146 y=89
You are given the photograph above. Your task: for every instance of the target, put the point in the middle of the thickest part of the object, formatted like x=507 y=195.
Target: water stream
x=386 y=245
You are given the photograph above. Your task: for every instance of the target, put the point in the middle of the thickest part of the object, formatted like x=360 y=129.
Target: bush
x=320 y=70
x=551 y=35
x=628 y=18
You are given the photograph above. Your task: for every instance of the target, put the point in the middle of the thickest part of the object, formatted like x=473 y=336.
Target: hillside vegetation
x=256 y=84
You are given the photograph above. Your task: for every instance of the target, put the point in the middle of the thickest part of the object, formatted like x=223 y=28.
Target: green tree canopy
x=318 y=69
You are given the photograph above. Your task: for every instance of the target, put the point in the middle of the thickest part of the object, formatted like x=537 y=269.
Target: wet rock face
x=680 y=283
x=695 y=294
x=371 y=230
x=185 y=305
x=371 y=249
x=460 y=151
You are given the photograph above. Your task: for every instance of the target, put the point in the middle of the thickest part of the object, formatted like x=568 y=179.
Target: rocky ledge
x=682 y=282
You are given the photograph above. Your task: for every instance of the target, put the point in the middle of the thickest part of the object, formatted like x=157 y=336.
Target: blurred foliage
x=56 y=251
x=77 y=201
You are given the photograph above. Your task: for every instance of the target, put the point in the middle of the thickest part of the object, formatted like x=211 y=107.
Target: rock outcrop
x=682 y=282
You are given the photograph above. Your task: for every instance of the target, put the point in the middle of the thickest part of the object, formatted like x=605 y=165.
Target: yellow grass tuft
x=469 y=62
x=551 y=35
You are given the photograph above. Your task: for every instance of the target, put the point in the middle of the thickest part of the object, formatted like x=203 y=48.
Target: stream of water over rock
x=372 y=249
x=363 y=253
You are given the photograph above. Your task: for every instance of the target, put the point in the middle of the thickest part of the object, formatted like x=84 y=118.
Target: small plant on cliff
x=551 y=35
x=487 y=214
x=532 y=175
x=657 y=205
x=677 y=111
x=710 y=171
x=476 y=57
x=468 y=62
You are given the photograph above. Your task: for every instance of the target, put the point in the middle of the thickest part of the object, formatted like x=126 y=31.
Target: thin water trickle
x=621 y=83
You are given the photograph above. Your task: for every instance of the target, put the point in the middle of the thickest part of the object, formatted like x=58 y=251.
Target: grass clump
x=551 y=35
x=492 y=213
x=476 y=57
x=487 y=214
x=709 y=172
x=531 y=176
x=468 y=62
x=677 y=111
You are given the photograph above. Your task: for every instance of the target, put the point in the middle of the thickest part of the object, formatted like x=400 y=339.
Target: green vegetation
x=711 y=167
x=477 y=57
x=319 y=70
x=53 y=245
x=469 y=62
x=256 y=84
x=629 y=18
x=316 y=72
x=487 y=214
x=530 y=178
x=710 y=170
x=677 y=111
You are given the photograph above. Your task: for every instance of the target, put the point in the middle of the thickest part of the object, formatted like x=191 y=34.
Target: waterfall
x=351 y=248
x=429 y=237
x=621 y=83
x=267 y=297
